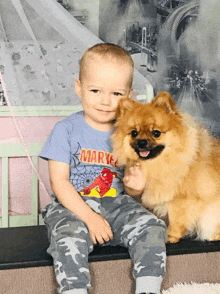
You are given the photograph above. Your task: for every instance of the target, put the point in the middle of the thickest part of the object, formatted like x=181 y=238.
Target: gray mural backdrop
x=41 y=43
x=176 y=45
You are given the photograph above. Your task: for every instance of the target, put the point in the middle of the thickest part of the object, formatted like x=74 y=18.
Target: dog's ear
x=165 y=101
x=124 y=105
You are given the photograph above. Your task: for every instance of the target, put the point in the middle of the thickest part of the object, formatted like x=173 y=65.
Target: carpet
x=193 y=288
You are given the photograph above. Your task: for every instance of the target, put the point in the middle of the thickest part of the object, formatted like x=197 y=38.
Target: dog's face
x=145 y=141
x=145 y=131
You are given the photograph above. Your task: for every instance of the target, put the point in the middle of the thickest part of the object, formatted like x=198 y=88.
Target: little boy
x=89 y=203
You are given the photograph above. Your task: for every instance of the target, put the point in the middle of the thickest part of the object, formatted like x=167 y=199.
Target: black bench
x=26 y=247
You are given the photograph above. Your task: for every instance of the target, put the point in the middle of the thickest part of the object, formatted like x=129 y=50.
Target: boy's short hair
x=107 y=50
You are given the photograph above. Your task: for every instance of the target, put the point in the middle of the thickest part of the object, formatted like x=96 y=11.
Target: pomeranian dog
x=181 y=161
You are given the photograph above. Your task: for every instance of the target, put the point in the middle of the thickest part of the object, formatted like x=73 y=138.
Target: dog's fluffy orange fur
x=181 y=161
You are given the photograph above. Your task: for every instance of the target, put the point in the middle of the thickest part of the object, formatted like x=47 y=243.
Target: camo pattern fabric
x=133 y=227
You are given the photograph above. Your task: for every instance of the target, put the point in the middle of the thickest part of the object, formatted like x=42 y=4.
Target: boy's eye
x=117 y=94
x=95 y=90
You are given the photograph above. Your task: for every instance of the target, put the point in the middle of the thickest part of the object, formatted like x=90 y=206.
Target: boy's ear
x=130 y=93
x=124 y=105
x=165 y=101
x=78 y=88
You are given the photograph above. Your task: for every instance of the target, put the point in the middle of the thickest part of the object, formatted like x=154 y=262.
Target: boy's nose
x=106 y=99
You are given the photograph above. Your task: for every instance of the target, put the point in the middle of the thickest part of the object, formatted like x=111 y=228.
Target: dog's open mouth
x=148 y=154
x=144 y=154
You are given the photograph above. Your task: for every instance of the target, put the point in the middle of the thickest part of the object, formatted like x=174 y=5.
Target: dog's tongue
x=144 y=153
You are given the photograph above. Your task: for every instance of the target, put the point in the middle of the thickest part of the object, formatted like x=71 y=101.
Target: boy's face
x=103 y=84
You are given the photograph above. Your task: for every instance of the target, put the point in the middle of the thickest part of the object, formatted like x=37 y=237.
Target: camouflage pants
x=133 y=227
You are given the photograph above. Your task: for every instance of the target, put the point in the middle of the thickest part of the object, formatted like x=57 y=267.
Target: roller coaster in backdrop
x=174 y=18
x=164 y=51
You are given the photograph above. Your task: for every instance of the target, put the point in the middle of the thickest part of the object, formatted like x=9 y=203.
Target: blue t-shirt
x=93 y=170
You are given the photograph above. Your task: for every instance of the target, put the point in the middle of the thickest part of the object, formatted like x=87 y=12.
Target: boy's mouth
x=105 y=111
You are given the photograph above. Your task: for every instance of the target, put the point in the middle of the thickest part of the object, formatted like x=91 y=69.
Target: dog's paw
x=172 y=239
x=175 y=233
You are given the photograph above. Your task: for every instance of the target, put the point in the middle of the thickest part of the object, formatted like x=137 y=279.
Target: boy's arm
x=67 y=195
x=134 y=180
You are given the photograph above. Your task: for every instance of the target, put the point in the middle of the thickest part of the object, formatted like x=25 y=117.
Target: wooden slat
x=41 y=221
x=34 y=193
x=20 y=220
x=5 y=192
x=40 y=111
x=17 y=149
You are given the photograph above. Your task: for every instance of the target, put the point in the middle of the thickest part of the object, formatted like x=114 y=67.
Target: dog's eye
x=134 y=133
x=156 y=133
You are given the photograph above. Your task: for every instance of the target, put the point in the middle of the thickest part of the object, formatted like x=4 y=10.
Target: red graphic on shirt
x=102 y=183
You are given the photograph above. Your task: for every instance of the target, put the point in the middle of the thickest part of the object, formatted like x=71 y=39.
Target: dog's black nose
x=142 y=143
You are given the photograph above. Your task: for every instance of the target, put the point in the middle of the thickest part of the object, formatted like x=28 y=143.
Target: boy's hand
x=99 y=229
x=134 y=180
